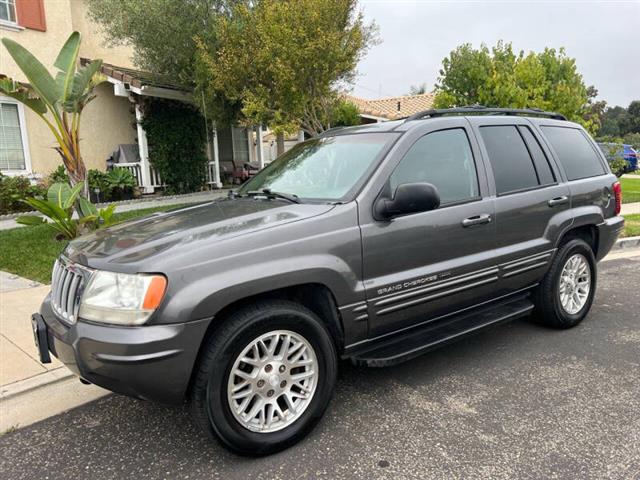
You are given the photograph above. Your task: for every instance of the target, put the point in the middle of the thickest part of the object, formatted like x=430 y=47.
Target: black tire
x=548 y=307
x=208 y=400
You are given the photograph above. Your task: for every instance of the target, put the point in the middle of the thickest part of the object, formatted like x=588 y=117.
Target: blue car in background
x=626 y=152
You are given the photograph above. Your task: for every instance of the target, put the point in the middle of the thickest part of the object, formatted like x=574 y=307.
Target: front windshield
x=321 y=168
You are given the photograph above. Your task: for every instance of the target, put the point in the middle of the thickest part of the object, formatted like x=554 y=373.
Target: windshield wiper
x=267 y=192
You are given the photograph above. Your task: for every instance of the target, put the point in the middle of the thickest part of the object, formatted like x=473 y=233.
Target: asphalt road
x=517 y=401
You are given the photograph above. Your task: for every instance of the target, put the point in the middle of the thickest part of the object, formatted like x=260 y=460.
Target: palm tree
x=58 y=101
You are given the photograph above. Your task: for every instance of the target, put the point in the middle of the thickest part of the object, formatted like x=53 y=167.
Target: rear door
x=532 y=204
x=420 y=266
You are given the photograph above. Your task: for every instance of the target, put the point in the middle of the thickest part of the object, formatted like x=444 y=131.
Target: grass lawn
x=631 y=225
x=31 y=251
x=630 y=190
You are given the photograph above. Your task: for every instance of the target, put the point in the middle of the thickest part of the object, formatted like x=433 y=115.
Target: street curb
x=43 y=379
x=629 y=242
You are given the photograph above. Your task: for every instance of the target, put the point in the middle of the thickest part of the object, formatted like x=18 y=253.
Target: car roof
x=405 y=124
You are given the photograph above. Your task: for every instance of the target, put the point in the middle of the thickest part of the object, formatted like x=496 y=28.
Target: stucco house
x=112 y=119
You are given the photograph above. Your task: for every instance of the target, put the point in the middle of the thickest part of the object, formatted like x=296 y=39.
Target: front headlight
x=121 y=298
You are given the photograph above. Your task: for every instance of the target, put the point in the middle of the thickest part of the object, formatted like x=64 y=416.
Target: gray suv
x=374 y=243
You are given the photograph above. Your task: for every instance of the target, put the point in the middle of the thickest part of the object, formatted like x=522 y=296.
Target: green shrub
x=58 y=207
x=119 y=183
x=97 y=180
x=615 y=158
x=59 y=175
x=177 y=140
x=13 y=190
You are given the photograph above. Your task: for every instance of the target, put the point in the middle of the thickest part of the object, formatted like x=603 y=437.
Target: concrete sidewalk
x=630 y=208
x=24 y=381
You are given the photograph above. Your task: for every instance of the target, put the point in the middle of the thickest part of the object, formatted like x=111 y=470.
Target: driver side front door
x=420 y=266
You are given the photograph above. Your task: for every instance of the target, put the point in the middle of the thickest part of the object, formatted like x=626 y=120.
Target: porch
x=230 y=150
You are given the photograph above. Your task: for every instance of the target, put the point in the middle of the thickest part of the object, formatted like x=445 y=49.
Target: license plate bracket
x=39 y=329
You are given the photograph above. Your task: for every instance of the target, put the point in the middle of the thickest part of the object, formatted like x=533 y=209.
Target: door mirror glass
x=408 y=198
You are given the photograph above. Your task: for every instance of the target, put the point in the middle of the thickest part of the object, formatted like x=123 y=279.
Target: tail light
x=617 y=192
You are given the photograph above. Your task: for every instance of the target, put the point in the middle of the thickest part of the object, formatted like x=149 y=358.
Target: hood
x=216 y=221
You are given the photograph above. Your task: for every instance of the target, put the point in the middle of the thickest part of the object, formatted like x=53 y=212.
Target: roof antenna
x=398 y=105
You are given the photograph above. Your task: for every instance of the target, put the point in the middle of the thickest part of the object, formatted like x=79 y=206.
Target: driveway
x=517 y=401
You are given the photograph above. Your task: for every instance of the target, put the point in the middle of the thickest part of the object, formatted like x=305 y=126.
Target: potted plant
x=120 y=183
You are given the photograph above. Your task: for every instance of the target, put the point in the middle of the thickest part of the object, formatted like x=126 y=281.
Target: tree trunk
x=79 y=175
x=279 y=144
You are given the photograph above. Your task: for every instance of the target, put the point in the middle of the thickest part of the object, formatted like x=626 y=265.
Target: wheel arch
x=587 y=232
x=317 y=297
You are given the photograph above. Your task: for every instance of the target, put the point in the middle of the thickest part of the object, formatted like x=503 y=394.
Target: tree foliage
x=280 y=63
x=620 y=122
x=344 y=114
x=500 y=77
x=418 y=89
x=177 y=142
x=162 y=32
x=255 y=61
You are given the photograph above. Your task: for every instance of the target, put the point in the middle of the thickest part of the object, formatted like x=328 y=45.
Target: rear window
x=510 y=160
x=575 y=152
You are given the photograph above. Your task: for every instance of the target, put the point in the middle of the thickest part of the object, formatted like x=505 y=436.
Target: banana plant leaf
x=36 y=73
x=66 y=63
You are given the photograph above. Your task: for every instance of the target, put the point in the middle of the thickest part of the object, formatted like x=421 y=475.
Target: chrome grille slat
x=71 y=299
x=63 y=276
x=55 y=281
x=67 y=281
x=65 y=293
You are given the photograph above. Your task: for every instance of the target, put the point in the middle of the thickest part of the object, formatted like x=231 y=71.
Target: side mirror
x=408 y=198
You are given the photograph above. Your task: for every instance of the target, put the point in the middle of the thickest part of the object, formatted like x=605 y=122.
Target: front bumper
x=608 y=232
x=153 y=362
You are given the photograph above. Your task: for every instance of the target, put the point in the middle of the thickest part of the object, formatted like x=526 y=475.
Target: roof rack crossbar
x=473 y=109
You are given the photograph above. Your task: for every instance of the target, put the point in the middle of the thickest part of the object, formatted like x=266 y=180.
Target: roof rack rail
x=472 y=109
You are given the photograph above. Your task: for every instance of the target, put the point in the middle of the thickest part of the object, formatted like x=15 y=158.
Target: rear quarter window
x=511 y=163
x=574 y=151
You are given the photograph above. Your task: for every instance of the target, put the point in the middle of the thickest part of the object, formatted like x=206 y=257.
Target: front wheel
x=265 y=378
x=566 y=293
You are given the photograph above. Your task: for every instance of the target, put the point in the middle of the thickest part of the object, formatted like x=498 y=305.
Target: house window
x=14 y=156
x=8 y=11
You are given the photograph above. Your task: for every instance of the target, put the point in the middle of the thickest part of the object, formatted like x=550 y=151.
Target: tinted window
x=444 y=159
x=510 y=161
x=574 y=151
x=545 y=175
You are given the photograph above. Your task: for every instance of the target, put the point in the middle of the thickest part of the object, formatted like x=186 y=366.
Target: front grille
x=67 y=282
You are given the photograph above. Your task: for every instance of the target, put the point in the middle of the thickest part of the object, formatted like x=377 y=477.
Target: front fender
x=223 y=290
x=324 y=250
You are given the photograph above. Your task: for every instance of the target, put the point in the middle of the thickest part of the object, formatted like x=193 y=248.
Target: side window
x=540 y=161
x=443 y=159
x=574 y=151
x=511 y=163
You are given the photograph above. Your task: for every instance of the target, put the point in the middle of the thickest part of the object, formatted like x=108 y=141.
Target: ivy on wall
x=177 y=140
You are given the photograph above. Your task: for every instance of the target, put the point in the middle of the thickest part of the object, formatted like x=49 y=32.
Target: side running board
x=416 y=341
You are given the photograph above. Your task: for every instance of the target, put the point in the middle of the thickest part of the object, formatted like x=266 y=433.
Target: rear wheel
x=565 y=295
x=265 y=378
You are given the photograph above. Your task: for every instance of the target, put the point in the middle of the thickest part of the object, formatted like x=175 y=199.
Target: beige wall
x=44 y=45
x=107 y=121
x=93 y=41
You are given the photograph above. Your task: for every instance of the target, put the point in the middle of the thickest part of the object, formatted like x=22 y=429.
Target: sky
x=603 y=36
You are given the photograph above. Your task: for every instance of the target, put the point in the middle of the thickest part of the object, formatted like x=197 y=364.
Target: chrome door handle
x=476 y=220
x=558 y=201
